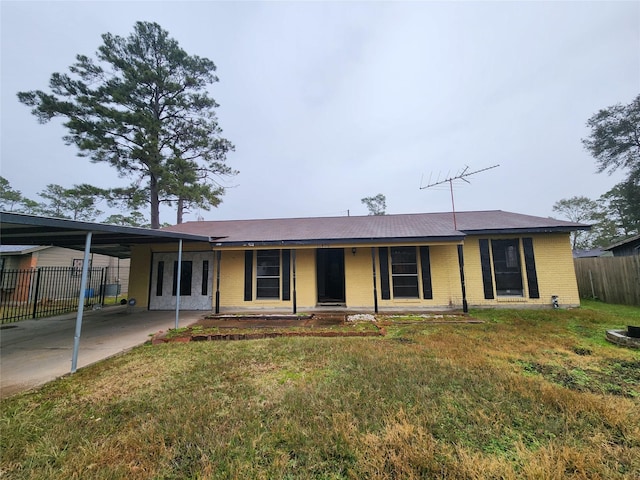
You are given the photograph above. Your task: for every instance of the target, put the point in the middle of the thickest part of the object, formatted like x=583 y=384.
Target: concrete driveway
x=34 y=352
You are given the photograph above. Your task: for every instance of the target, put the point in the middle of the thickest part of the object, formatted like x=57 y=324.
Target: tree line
x=614 y=142
x=81 y=202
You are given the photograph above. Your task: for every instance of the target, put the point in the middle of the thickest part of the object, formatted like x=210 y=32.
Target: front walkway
x=34 y=352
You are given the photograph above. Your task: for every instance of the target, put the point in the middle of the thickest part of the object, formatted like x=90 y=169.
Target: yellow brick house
x=411 y=262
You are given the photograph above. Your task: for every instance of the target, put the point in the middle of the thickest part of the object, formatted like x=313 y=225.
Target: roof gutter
x=519 y=231
x=338 y=241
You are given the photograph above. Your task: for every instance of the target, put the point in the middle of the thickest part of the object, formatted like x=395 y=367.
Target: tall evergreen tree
x=142 y=106
x=72 y=203
x=12 y=200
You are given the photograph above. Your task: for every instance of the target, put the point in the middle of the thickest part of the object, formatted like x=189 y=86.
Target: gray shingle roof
x=20 y=249
x=621 y=243
x=363 y=229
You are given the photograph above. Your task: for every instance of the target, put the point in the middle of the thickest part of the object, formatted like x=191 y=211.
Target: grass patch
x=524 y=395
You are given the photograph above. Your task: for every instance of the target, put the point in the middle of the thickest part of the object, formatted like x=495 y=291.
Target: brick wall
x=554 y=268
x=553 y=259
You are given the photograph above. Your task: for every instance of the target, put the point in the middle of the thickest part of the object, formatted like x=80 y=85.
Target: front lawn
x=526 y=394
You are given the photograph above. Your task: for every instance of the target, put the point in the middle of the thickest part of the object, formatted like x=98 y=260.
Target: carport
x=113 y=240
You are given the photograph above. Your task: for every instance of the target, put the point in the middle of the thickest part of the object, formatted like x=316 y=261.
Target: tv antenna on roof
x=460 y=176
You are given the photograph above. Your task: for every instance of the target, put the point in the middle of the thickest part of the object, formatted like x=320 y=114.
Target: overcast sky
x=330 y=102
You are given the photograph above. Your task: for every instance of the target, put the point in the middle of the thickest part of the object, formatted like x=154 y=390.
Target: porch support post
x=293 y=264
x=178 y=282
x=465 y=306
x=218 y=254
x=375 y=285
x=83 y=284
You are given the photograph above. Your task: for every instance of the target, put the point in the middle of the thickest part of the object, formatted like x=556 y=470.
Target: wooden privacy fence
x=610 y=279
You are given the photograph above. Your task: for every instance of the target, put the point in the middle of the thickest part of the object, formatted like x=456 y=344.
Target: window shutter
x=530 y=267
x=160 y=279
x=485 y=261
x=248 y=275
x=427 y=291
x=174 y=288
x=383 y=254
x=286 y=274
x=205 y=277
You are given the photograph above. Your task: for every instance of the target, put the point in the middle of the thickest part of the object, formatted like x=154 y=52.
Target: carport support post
x=178 y=291
x=375 y=284
x=83 y=284
x=465 y=305
x=295 y=293
x=218 y=254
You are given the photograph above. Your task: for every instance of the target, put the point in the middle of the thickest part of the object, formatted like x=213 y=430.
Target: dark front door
x=330 y=266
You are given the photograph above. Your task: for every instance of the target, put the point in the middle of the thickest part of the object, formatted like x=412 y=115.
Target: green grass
x=527 y=394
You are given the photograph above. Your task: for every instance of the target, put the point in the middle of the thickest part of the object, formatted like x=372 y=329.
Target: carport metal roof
x=114 y=240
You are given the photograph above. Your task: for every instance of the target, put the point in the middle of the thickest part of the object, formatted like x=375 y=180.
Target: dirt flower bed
x=433 y=318
x=257 y=326
x=229 y=327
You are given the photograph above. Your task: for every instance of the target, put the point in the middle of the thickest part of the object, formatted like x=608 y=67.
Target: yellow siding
x=232 y=282
x=359 y=293
x=232 y=279
x=556 y=272
x=445 y=282
x=306 y=280
x=553 y=259
x=554 y=269
x=473 y=273
x=359 y=278
x=445 y=276
x=139 y=274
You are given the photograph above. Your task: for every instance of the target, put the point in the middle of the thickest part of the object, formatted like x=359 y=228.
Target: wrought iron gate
x=47 y=291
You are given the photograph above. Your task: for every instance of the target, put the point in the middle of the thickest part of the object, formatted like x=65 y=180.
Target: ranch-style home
x=412 y=262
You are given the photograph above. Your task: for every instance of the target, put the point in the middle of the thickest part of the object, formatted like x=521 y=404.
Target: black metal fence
x=47 y=291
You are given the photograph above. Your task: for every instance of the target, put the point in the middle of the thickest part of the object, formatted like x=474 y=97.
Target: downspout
x=83 y=284
x=178 y=283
